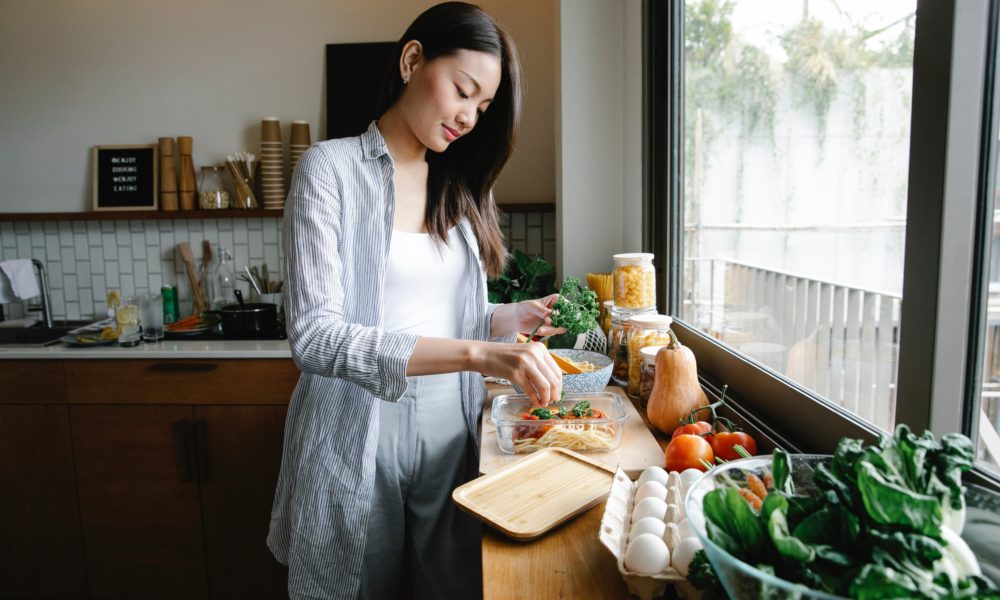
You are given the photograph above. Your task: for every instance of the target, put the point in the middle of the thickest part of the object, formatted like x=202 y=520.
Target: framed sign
x=125 y=177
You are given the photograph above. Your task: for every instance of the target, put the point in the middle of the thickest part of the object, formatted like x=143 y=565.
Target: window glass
x=988 y=406
x=796 y=146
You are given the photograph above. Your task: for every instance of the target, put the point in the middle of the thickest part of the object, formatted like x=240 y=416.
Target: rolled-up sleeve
x=322 y=342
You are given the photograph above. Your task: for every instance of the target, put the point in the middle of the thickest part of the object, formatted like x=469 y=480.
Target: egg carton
x=615 y=526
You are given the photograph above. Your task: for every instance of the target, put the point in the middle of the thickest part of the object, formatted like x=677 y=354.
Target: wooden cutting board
x=637 y=451
x=526 y=498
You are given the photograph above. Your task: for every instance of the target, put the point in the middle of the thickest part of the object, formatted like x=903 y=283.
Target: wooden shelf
x=128 y=215
x=132 y=215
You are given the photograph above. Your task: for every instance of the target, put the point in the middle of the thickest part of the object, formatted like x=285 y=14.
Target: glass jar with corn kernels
x=634 y=280
x=621 y=325
x=646 y=330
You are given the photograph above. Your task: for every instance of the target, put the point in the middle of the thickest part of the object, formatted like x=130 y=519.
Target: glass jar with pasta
x=647 y=330
x=634 y=280
x=618 y=340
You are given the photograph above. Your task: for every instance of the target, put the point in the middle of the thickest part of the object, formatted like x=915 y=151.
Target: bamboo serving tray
x=527 y=498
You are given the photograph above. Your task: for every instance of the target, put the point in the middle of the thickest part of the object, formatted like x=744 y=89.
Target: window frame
x=953 y=114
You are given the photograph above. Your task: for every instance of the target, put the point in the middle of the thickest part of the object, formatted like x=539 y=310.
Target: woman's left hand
x=523 y=317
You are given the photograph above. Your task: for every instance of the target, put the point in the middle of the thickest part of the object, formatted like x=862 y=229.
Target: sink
x=38 y=334
x=33 y=336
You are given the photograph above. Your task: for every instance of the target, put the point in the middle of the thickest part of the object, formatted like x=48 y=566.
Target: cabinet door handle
x=182 y=449
x=201 y=446
x=175 y=367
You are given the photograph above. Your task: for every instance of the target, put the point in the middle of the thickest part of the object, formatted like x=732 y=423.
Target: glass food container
x=212 y=193
x=646 y=330
x=618 y=340
x=647 y=372
x=517 y=434
x=634 y=280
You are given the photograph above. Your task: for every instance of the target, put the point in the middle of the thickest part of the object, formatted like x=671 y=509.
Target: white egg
x=651 y=489
x=653 y=474
x=647 y=555
x=683 y=554
x=647 y=525
x=690 y=476
x=650 y=507
x=685 y=529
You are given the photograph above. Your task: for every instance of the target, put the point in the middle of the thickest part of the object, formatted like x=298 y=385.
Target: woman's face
x=445 y=96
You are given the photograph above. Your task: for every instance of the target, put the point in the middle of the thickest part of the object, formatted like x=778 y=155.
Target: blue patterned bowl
x=594 y=381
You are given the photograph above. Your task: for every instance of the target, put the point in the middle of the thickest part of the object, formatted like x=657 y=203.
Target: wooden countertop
x=567 y=562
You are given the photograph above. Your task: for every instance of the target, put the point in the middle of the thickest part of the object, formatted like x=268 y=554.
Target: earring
x=406 y=80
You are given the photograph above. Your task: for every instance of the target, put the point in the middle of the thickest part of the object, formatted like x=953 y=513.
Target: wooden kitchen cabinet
x=139 y=502
x=41 y=547
x=141 y=478
x=239 y=454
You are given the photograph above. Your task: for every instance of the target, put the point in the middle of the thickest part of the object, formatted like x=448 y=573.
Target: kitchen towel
x=21 y=274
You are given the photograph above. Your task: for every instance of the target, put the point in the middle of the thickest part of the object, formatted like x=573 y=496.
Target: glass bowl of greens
x=886 y=521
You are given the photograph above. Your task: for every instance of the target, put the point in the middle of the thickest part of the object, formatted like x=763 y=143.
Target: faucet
x=46 y=306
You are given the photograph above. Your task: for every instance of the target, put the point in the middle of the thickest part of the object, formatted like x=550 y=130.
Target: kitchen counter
x=159 y=350
x=567 y=562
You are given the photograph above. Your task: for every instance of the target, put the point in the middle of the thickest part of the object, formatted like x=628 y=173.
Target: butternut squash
x=676 y=390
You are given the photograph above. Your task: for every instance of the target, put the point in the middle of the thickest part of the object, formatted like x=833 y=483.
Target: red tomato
x=687 y=451
x=696 y=428
x=722 y=444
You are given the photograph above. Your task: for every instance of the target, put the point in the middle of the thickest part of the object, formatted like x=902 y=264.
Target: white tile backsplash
x=84 y=259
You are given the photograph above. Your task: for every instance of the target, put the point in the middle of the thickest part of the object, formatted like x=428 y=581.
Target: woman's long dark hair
x=460 y=179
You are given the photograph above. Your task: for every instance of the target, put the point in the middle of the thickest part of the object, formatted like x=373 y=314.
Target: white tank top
x=424 y=284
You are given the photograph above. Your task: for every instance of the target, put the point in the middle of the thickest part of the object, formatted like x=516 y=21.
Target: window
x=796 y=126
x=810 y=164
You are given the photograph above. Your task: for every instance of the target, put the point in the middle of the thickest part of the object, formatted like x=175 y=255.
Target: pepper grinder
x=188 y=184
x=168 y=177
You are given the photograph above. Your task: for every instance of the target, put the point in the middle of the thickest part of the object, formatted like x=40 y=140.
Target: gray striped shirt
x=337 y=227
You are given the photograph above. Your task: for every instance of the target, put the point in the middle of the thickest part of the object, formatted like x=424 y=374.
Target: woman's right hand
x=528 y=365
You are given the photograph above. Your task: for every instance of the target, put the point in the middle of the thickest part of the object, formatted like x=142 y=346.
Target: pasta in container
x=582 y=422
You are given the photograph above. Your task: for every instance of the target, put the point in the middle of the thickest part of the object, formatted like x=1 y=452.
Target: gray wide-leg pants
x=419 y=544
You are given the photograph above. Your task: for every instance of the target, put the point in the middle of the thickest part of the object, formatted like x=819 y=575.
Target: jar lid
x=631 y=258
x=649 y=353
x=651 y=321
x=628 y=313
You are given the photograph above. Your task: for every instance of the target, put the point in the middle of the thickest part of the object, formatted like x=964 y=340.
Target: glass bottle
x=646 y=330
x=618 y=340
x=212 y=193
x=223 y=281
x=634 y=280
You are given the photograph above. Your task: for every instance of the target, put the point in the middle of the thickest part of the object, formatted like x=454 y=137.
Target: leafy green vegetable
x=582 y=409
x=562 y=412
x=575 y=310
x=700 y=572
x=878 y=525
x=542 y=413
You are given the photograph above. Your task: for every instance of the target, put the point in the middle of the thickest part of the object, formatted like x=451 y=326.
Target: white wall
x=598 y=133
x=74 y=74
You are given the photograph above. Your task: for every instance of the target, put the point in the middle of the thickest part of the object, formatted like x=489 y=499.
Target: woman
x=388 y=239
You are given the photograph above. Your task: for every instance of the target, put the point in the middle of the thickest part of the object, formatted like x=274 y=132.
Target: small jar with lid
x=634 y=280
x=212 y=193
x=618 y=340
x=646 y=330
x=647 y=372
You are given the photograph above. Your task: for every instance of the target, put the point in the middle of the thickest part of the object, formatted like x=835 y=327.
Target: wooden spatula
x=184 y=250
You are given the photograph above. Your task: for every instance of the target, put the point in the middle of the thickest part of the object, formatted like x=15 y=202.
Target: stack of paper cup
x=299 y=143
x=272 y=164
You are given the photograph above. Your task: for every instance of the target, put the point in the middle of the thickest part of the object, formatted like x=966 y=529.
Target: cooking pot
x=248 y=318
